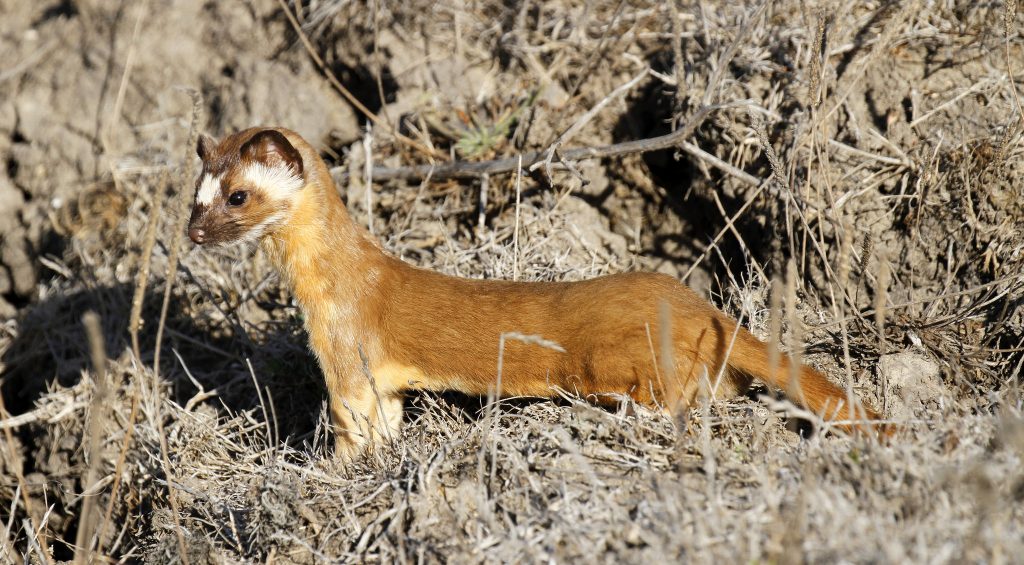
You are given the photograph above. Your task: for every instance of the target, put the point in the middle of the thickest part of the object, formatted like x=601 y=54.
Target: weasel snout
x=197 y=235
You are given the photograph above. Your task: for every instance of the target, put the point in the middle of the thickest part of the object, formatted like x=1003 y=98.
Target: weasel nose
x=197 y=235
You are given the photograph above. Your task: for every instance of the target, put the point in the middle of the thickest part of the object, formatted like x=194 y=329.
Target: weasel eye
x=237 y=198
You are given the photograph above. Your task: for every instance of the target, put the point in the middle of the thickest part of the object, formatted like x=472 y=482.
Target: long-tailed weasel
x=417 y=329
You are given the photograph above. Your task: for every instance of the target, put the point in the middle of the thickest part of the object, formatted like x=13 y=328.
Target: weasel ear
x=272 y=148
x=205 y=146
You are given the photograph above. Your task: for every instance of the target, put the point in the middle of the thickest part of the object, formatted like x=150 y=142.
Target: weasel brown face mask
x=246 y=187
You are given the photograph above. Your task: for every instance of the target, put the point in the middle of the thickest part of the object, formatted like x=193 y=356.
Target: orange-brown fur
x=418 y=329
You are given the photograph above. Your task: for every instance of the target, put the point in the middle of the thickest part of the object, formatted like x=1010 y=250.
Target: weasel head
x=248 y=186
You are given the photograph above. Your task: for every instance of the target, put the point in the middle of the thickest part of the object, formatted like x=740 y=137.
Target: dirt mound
x=97 y=99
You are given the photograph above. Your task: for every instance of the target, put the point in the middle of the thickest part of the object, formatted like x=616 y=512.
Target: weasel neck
x=324 y=256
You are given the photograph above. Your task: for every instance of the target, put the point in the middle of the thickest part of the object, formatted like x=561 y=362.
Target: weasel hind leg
x=691 y=379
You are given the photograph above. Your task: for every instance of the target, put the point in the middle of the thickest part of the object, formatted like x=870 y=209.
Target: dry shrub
x=884 y=143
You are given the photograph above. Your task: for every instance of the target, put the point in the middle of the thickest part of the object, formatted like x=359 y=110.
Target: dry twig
x=474 y=169
x=98 y=407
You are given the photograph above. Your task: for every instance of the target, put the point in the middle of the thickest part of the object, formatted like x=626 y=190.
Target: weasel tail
x=810 y=389
x=380 y=327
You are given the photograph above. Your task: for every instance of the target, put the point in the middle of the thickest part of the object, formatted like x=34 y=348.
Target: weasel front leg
x=363 y=413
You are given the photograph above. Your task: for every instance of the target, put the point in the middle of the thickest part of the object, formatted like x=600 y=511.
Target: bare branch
x=474 y=169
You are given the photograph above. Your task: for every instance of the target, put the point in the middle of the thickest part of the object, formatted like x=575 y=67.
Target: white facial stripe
x=258 y=230
x=208 y=190
x=279 y=183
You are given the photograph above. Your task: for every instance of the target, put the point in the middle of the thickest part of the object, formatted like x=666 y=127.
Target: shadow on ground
x=51 y=351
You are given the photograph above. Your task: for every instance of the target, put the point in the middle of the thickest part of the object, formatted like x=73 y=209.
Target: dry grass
x=885 y=147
